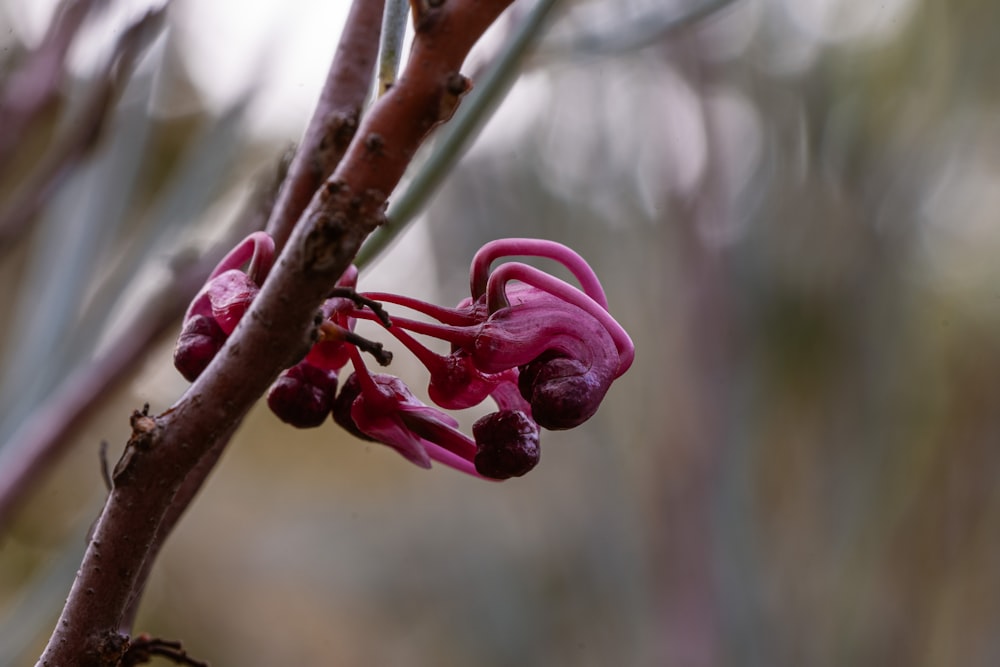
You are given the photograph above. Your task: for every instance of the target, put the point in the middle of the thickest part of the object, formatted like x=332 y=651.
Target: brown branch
x=326 y=139
x=43 y=437
x=163 y=450
x=334 y=121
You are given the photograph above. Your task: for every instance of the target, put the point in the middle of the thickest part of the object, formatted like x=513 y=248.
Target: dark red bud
x=507 y=444
x=342 y=405
x=199 y=342
x=563 y=392
x=303 y=395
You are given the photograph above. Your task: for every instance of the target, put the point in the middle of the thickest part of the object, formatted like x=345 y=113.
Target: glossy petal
x=199 y=342
x=230 y=294
x=385 y=410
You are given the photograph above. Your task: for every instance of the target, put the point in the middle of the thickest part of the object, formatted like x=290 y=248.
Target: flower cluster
x=544 y=351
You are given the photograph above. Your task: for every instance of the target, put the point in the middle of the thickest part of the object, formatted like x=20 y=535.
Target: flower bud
x=303 y=395
x=506 y=444
x=200 y=340
x=563 y=392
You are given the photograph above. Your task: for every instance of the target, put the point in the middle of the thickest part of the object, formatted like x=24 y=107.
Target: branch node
x=363 y=301
x=425 y=13
x=374 y=143
x=455 y=86
x=143 y=432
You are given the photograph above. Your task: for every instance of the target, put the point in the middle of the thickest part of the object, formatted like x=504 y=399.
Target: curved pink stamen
x=496 y=298
x=368 y=387
x=258 y=249
x=480 y=271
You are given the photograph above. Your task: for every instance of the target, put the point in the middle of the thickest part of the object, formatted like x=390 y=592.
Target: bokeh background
x=793 y=206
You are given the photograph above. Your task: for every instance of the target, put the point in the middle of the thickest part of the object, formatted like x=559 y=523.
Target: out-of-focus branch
x=163 y=450
x=44 y=435
x=391 y=44
x=35 y=83
x=83 y=134
x=334 y=121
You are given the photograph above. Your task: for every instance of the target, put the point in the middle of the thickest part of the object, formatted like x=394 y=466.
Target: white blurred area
x=278 y=51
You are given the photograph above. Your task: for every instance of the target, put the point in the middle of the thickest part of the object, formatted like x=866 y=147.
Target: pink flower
x=303 y=395
x=557 y=343
x=382 y=408
x=219 y=305
x=546 y=353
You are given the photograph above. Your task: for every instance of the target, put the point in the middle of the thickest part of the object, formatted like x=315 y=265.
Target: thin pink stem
x=439 y=313
x=452 y=460
x=497 y=298
x=434 y=362
x=480 y=271
x=458 y=335
x=365 y=379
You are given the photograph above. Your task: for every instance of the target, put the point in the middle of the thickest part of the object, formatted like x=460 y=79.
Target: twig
x=362 y=301
x=459 y=134
x=391 y=44
x=163 y=450
x=334 y=121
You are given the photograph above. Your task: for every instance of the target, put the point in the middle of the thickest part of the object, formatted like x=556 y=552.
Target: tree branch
x=163 y=450
x=334 y=121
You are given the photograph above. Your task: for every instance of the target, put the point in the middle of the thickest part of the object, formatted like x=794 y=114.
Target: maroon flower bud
x=303 y=395
x=223 y=299
x=506 y=444
x=199 y=342
x=563 y=392
x=342 y=405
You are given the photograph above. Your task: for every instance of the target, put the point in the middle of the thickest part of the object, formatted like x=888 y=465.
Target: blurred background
x=792 y=205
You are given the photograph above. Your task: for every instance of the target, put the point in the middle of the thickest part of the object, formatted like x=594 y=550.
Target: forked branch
x=165 y=449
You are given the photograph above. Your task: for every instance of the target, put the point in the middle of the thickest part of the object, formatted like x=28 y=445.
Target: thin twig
x=391 y=44
x=456 y=137
x=362 y=301
x=334 y=121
